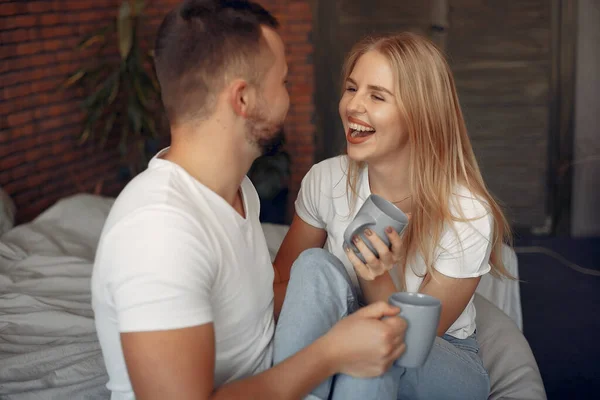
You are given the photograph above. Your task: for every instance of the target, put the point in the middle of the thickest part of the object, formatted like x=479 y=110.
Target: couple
x=185 y=296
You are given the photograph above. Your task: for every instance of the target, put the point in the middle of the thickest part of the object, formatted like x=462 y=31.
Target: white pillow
x=8 y=210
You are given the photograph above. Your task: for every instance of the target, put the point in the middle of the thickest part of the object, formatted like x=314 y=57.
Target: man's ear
x=241 y=97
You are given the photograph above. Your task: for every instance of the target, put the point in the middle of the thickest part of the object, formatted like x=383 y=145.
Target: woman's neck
x=391 y=180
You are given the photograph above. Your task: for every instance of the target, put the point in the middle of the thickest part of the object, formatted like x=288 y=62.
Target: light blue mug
x=422 y=315
x=375 y=214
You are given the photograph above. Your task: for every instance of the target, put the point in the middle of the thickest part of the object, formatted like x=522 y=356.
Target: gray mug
x=376 y=214
x=422 y=315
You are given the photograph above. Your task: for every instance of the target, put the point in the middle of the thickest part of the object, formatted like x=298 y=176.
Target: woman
x=407 y=142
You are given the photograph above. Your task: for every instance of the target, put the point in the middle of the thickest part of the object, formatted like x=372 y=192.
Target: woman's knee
x=458 y=373
x=476 y=386
x=455 y=385
x=317 y=262
x=472 y=374
x=482 y=391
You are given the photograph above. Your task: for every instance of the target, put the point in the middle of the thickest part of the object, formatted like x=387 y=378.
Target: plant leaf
x=88 y=132
x=103 y=92
x=91 y=41
x=134 y=114
x=133 y=62
x=141 y=96
x=97 y=36
x=84 y=135
x=123 y=140
x=113 y=94
x=138 y=7
x=125 y=30
x=94 y=76
x=149 y=124
x=73 y=79
x=84 y=74
x=147 y=82
x=110 y=122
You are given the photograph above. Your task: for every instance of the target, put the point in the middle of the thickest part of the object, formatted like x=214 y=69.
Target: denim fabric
x=320 y=293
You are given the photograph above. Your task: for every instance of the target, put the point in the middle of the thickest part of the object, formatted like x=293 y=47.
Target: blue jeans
x=320 y=293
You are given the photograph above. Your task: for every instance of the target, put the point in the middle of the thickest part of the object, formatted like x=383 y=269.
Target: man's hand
x=364 y=345
x=179 y=364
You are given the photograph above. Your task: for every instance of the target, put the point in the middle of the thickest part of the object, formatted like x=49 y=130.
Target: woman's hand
x=375 y=266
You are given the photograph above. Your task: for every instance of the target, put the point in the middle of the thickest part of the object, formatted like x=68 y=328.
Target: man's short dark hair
x=200 y=44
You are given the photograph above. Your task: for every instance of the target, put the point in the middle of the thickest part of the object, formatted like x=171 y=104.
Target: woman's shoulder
x=467 y=203
x=331 y=169
x=337 y=163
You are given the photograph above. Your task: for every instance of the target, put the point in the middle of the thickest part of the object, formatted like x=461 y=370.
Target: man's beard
x=266 y=135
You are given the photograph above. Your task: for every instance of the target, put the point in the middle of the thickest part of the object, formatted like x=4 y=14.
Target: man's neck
x=213 y=156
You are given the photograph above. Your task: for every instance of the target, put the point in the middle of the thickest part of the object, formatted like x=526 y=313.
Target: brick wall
x=40 y=160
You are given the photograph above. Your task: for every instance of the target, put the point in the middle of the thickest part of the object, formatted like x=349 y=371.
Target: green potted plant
x=123 y=108
x=122 y=103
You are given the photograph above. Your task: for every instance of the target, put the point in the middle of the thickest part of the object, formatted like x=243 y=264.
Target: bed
x=48 y=345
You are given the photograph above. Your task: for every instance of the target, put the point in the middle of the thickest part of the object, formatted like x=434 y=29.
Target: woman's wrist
x=377 y=289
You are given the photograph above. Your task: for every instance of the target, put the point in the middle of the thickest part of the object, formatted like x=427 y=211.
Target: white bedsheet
x=48 y=343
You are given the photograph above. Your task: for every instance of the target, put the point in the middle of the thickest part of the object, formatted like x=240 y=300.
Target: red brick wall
x=40 y=160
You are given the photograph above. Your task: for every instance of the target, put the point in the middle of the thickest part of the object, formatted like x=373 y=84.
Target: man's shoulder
x=142 y=239
x=153 y=199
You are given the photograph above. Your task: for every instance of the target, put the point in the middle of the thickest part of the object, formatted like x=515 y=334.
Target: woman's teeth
x=357 y=130
x=360 y=128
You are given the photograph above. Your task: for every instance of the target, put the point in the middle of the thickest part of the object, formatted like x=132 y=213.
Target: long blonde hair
x=441 y=156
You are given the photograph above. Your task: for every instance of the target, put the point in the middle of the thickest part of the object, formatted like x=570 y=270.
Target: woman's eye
x=350 y=89
x=379 y=98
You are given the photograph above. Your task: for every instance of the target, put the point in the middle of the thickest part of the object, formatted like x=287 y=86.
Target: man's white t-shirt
x=323 y=203
x=174 y=254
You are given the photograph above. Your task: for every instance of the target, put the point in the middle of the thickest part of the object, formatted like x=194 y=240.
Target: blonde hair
x=441 y=156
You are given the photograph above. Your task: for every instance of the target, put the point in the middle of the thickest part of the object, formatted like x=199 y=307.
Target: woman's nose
x=356 y=104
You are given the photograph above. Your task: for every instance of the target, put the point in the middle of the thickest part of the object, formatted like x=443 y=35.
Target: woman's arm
x=378 y=289
x=454 y=293
x=300 y=236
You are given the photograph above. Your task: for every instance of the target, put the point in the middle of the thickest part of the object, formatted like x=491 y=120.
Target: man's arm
x=179 y=363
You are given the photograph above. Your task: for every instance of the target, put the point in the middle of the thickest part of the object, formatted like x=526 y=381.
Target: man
x=182 y=286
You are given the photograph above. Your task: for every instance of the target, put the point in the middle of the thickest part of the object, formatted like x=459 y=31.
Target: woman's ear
x=241 y=97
